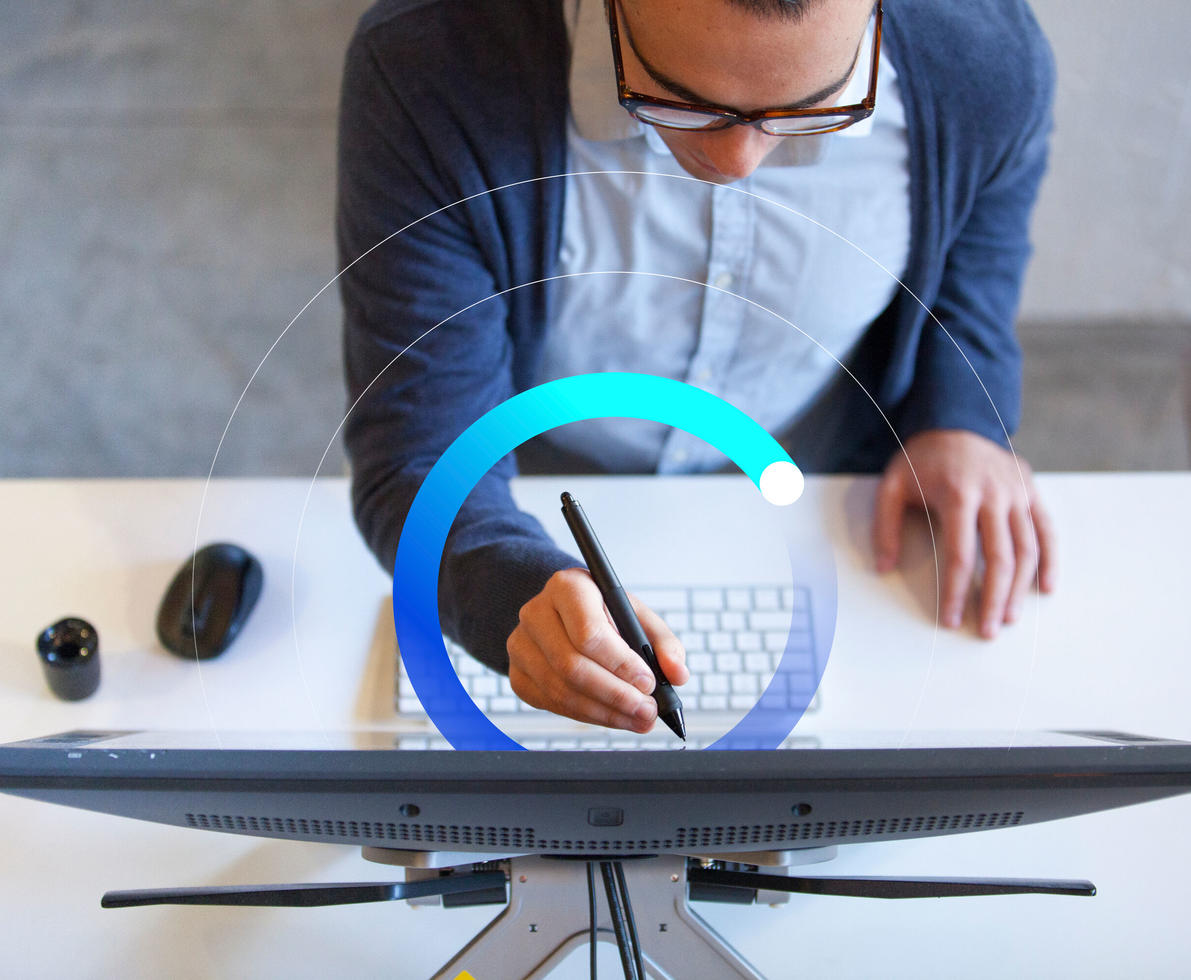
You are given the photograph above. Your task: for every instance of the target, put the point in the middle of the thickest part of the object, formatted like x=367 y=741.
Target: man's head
x=746 y=55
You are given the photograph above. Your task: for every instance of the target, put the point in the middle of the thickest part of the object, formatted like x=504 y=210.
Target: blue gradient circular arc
x=477 y=450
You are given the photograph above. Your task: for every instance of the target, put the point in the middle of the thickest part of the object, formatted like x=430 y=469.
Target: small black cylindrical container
x=69 y=652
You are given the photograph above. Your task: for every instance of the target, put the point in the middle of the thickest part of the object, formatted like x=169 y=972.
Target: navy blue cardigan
x=445 y=100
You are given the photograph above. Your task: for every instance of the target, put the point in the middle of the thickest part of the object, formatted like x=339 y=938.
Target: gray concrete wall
x=166 y=189
x=1111 y=227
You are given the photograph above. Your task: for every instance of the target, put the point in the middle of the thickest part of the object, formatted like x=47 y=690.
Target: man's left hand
x=980 y=495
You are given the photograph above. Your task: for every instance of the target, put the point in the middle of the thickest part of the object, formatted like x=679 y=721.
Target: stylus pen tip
x=673 y=721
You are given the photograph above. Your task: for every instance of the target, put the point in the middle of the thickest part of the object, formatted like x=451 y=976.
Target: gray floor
x=166 y=188
x=1106 y=396
x=167 y=185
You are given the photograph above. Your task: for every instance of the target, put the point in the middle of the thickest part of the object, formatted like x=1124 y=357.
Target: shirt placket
x=729 y=257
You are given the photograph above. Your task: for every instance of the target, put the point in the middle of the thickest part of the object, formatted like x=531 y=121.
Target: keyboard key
x=707 y=599
x=699 y=663
x=715 y=684
x=729 y=663
x=718 y=642
x=692 y=641
x=769 y=621
x=713 y=702
x=733 y=622
x=759 y=663
x=741 y=701
x=788 y=598
x=766 y=599
x=705 y=621
x=408 y=704
x=797 y=662
x=669 y=600
x=693 y=685
x=745 y=684
x=482 y=687
x=775 y=640
x=748 y=640
x=677 y=621
x=739 y=599
x=505 y=705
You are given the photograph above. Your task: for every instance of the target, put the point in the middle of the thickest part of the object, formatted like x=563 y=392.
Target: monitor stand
x=548 y=916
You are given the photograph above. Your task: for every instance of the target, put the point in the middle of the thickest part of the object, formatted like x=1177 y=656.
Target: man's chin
x=703 y=172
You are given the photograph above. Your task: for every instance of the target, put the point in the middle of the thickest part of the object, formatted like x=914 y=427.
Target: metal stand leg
x=547 y=918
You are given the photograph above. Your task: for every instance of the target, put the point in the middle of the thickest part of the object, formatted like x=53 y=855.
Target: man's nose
x=737 y=151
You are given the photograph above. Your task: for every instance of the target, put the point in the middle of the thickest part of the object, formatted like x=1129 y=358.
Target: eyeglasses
x=672 y=114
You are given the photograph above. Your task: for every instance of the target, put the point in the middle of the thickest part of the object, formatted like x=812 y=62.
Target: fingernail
x=643 y=683
x=646 y=710
x=884 y=563
x=989 y=629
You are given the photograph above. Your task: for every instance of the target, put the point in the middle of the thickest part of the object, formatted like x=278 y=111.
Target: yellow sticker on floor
x=465 y=976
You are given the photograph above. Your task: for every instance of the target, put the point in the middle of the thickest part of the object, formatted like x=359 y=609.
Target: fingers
x=984 y=500
x=1044 y=527
x=669 y=651
x=590 y=632
x=887 y=518
x=1001 y=566
x=1026 y=554
x=574 y=704
x=958 y=534
x=565 y=656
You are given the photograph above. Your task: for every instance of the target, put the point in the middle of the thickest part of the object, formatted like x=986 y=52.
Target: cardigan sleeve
x=993 y=125
x=427 y=343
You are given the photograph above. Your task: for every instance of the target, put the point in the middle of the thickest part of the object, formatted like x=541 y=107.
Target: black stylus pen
x=669 y=706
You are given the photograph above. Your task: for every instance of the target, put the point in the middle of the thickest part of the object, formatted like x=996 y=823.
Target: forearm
x=428 y=348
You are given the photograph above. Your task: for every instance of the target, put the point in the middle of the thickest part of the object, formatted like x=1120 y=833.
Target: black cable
x=591 y=921
x=626 y=903
x=628 y=960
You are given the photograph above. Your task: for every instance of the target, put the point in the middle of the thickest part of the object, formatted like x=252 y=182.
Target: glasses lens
x=677 y=118
x=792 y=125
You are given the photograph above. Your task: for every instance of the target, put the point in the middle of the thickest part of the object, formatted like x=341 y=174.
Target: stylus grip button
x=605 y=816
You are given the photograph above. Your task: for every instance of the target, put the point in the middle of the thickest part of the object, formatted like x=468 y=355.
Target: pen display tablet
x=823 y=790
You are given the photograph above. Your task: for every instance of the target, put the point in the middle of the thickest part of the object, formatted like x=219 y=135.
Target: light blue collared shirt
x=750 y=291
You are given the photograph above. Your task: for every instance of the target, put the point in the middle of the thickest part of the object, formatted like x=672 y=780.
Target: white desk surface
x=1110 y=649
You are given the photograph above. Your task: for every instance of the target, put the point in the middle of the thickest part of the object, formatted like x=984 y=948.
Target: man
x=447 y=101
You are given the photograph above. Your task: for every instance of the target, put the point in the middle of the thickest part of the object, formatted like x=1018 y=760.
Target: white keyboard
x=597 y=740
x=734 y=638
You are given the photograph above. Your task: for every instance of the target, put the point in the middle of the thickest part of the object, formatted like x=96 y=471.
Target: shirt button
x=723 y=280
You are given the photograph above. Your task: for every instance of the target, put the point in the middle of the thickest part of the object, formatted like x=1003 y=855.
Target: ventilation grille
x=353 y=830
x=525 y=838
x=834 y=830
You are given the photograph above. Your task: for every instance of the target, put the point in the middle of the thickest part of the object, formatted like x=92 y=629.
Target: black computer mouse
x=225 y=581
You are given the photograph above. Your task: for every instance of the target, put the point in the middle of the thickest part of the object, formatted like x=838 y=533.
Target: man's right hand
x=565 y=656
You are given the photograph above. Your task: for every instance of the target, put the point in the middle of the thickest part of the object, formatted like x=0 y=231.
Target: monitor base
x=547 y=918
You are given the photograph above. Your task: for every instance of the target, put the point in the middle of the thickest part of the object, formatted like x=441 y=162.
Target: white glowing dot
x=781 y=483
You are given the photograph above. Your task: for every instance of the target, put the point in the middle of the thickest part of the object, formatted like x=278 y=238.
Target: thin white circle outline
x=532 y=180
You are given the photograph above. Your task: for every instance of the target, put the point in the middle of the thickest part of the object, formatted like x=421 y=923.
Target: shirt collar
x=598 y=116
